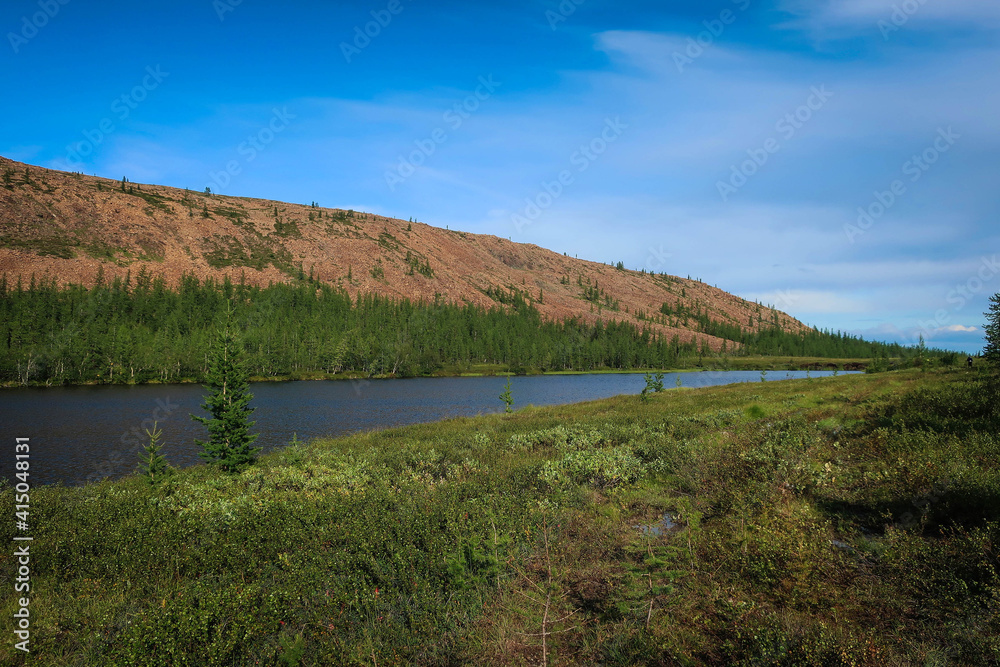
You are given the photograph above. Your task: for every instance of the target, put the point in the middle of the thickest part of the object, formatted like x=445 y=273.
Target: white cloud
x=827 y=17
x=955 y=337
x=811 y=302
x=731 y=96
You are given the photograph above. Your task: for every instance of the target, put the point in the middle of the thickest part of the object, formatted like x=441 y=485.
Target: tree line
x=139 y=329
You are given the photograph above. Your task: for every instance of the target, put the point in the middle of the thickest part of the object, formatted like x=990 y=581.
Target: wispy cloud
x=832 y=17
x=863 y=10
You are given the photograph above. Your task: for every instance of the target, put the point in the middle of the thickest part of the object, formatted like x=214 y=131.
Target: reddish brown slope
x=69 y=226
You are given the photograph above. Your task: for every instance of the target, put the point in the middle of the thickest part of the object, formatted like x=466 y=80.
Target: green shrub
x=600 y=468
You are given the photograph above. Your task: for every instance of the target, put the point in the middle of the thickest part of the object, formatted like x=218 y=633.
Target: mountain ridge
x=71 y=227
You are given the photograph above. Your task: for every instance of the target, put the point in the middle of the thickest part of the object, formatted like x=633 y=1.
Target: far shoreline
x=758 y=364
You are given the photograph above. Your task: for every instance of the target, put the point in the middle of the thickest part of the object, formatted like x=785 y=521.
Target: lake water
x=85 y=433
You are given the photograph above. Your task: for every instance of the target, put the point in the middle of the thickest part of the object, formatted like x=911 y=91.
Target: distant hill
x=70 y=226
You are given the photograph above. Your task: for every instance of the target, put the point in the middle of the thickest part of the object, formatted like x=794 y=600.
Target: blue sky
x=835 y=159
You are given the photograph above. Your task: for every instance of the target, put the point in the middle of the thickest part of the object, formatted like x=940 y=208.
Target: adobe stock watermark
x=22 y=513
x=562 y=13
x=223 y=7
x=454 y=118
x=122 y=107
x=787 y=127
x=901 y=15
x=697 y=45
x=657 y=259
x=785 y=300
x=253 y=146
x=133 y=440
x=959 y=297
x=581 y=159
x=31 y=25
x=915 y=168
x=363 y=35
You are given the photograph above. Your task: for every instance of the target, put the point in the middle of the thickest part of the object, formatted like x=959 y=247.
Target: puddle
x=659 y=528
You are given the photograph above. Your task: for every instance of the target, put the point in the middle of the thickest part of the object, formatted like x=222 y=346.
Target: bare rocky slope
x=70 y=226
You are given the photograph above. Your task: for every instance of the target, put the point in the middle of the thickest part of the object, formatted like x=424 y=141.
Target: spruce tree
x=153 y=465
x=992 y=331
x=230 y=441
x=506 y=397
x=654 y=384
x=658 y=382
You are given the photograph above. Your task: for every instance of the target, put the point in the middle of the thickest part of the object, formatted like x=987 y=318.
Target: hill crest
x=71 y=227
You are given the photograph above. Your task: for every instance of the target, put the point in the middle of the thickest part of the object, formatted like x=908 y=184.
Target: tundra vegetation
x=849 y=520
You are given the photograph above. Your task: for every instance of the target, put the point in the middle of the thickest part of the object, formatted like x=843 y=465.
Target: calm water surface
x=84 y=433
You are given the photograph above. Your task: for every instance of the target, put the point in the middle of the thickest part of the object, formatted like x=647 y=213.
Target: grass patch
x=236 y=215
x=254 y=251
x=288 y=229
x=46 y=246
x=156 y=202
x=107 y=253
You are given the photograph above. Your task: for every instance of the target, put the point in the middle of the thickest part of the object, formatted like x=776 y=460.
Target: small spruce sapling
x=153 y=465
x=294 y=455
x=654 y=384
x=506 y=397
x=292 y=649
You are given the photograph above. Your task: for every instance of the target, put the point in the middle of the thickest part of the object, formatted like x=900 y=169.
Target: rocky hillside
x=70 y=226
